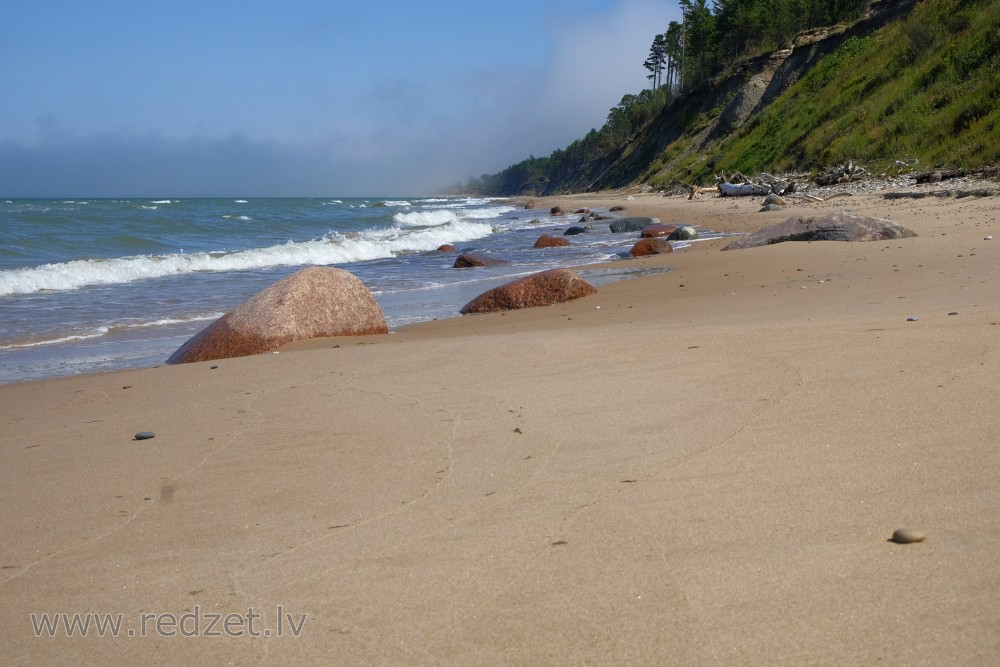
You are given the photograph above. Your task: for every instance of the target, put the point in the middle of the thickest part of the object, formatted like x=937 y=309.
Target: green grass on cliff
x=927 y=87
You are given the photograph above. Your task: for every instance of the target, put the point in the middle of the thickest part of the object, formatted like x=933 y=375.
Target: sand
x=703 y=466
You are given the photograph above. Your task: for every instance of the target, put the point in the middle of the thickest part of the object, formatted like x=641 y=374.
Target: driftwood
x=738 y=185
x=841 y=173
x=695 y=190
x=978 y=192
x=822 y=199
x=744 y=189
x=939 y=175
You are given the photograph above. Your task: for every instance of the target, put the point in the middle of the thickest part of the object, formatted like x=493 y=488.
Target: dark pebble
x=908 y=536
x=144 y=435
x=953 y=313
x=911 y=319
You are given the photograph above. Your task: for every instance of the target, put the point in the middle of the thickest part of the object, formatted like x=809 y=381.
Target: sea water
x=100 y=284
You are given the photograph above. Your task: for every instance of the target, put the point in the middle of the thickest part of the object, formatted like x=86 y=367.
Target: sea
x=89 y=285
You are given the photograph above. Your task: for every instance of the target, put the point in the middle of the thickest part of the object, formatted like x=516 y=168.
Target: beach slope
x=702 y=466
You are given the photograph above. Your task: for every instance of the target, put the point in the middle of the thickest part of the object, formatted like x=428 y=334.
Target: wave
x=331 y=249
x=161 y=201
x=99 y=331
x=444 y=216
x=390 y=202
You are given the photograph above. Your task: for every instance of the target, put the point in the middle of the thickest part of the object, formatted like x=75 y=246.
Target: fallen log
x=743 y=189
x=943 y=175
x=916 y=195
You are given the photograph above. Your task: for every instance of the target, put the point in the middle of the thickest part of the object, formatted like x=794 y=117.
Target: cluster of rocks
x=327 y=302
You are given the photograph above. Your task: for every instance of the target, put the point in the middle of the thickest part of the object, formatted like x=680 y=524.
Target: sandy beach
x=702 y=466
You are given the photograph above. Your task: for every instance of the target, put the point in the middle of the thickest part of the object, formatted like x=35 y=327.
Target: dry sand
x=696 y=467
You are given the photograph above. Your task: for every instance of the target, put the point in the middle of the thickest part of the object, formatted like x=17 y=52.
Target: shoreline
x=699 y=466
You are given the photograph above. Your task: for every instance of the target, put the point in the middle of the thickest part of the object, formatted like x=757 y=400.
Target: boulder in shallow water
x=653 y=231
x=573 y=231
x=539 y=289
x=313 y=302
x=626 y=225
x=546 y=241
x=646 y=247
x=685 y=233
x=468 y=260
x=833 y=227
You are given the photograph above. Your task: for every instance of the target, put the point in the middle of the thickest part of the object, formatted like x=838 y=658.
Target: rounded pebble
x=911 y=319
x=908 y=536
x=988 y=238
x=144 y=435
x=953 y=313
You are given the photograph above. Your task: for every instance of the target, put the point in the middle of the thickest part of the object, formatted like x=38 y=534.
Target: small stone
x=908 y=536
x=911 y=319
x=988 y=238
x=144 y=435
x=953 y=313
x=214 y=367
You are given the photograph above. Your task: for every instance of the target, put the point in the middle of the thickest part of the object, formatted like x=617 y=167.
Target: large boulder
x=468 y=260
x=645 y=247
x=546 y=241
x=833 y=227
x=626 y=225
x=318 y=301
x=653 y=231
x=539 y=289
x=574 y=231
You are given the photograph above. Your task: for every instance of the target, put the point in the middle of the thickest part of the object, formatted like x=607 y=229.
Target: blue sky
x=223 y=98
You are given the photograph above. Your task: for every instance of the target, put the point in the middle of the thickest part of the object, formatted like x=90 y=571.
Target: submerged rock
x=546 y=241
x=573 y=231
x=834 y=227
x=318 y=301
x=468 y=260
x=539 y=289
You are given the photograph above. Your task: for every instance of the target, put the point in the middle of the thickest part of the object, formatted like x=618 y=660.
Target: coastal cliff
x=912 y=82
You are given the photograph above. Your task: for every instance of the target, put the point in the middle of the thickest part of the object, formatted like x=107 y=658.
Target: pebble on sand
x=144 y=435
x=911 y=319
x=908 y=536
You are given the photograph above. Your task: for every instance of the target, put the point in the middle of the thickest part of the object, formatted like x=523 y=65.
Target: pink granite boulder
x=313 y=302
x=656 y=230
x=469 y=260
x=539 y=289
x=646 y=247
x=546 y=241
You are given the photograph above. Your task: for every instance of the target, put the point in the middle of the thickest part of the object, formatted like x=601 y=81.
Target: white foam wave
x=397 y=203
x=446 y=215
x=161 y=201
x=240 y=201
x=150 y=208
x=237 y=217
x=426 y=218
x=331 y=249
